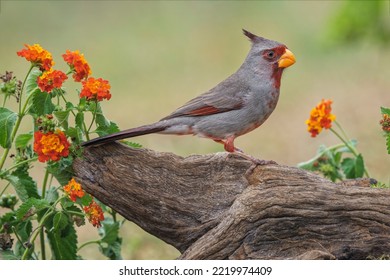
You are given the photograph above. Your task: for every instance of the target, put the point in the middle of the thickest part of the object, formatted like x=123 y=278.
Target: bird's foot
x=229 y=147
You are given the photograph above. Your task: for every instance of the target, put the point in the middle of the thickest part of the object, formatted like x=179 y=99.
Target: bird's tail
x=132 y=132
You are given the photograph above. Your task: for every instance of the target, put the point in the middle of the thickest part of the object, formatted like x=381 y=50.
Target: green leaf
x=337 y=157
x=62 y=237
x=322 y=151
x=105 y=130
x=7 y=255
x=62 y=117
x=9 y=219
x=62 y=170
x=112 y=251
x=345 y=149
x=104 y=126
x=24 y=230
x=348 y=167
x=353 y=167
x=66 y=203
x=388 y=143
x=110 y=244
x=109 y=231
x=30 y=207
x=69 y=106
x=86 y=200
x=51 y=195
x=327 y=162
x=7 y=122
x=41 y=104
x=385 y=111
x=22 y=140
x=79 y=120
x=359 y=166
x=82 y=104
x=101 y=120
x=75 y=133
x=78 y=219
x=131 y=144
x=24 y=185
x=31 y=82
x=60 y=221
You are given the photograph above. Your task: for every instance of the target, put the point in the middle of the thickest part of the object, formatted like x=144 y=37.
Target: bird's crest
x=254 y=38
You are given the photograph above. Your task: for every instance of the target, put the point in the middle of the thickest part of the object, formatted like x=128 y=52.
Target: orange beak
x=287 y=59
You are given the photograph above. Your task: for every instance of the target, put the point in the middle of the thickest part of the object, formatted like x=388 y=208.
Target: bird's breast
x=272 y=100
x=260 y=106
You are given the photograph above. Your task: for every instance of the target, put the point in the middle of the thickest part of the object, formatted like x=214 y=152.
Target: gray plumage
x=234 y=107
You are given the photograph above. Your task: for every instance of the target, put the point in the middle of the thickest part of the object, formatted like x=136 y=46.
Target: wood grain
x=221 y=206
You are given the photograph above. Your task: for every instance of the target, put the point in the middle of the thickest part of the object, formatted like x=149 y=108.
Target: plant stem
x=86 y=132
x=342 y=130
x=84 y=126
x=4 y=100
x=75 y=213
x=66 y=101
x=19 y=119
x=5 y=188
x=3 y=158
x=17 y=236
x=41 y=232
x=41 y=223
x=113 y=214
x=35 y=235
x=23 y=84
x=17 y=165
x=51 y=180
x=45 y=183
x=42 y=239
x=87 y=243
x=351 y=148
x=93 y=119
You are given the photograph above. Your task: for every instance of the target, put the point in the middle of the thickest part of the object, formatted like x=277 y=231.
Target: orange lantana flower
x=78 y=64
x=51 y=79
x=73 y=190
x=51 y=145
x=37 y=55
x=320 y=117
x=94 y=214
x=96 y=89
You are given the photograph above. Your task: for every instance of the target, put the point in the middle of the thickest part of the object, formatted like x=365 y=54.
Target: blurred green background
x=158 y=55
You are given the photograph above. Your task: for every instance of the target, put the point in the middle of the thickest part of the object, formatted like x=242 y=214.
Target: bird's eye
x=270 y=54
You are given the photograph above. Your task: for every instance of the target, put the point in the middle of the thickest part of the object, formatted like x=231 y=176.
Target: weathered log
x=220 y=206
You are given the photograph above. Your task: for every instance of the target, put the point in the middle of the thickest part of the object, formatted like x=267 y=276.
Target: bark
x=221 y=206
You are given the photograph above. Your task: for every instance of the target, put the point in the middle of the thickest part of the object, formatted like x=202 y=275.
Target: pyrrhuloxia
x=234 y=107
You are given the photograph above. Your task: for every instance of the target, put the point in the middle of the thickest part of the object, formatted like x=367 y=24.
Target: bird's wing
x=226 y=96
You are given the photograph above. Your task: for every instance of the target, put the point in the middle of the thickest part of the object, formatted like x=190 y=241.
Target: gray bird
x=234 y=107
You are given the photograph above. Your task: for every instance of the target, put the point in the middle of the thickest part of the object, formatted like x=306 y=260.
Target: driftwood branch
x=221 y=207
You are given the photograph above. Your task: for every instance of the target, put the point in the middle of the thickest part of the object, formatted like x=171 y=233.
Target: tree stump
x=221 y=206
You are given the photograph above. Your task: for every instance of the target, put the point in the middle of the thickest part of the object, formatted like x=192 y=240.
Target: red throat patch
x=277 y=76
x=277 y=72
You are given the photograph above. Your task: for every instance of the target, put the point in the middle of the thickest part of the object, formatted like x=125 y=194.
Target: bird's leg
x=229 y=147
